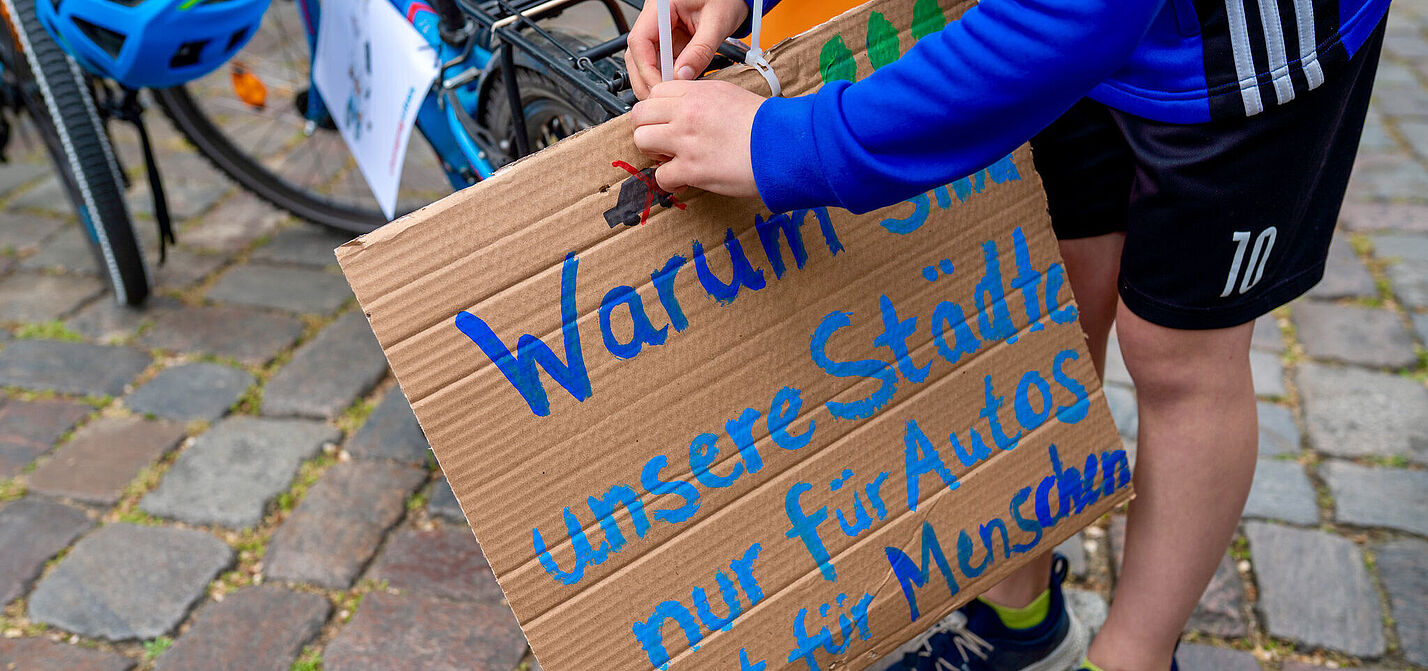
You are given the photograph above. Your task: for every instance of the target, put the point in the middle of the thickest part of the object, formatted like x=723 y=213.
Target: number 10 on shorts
x=1254 y=268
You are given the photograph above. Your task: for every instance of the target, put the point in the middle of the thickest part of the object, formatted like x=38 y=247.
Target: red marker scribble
x=650 y=192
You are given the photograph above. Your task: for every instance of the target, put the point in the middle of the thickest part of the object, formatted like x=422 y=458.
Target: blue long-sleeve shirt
x=967 y=95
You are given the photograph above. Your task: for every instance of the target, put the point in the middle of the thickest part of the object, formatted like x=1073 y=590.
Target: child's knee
x=1175 y=362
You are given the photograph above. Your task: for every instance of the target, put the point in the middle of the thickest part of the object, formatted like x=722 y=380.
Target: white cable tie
x=666 y=42
x=755 y=56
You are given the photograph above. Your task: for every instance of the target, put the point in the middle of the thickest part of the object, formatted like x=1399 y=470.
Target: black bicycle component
x=513 y=98
x=129 y=109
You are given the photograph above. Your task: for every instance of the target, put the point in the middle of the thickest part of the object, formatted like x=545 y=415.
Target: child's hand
x=703 y=128
x=698 y=26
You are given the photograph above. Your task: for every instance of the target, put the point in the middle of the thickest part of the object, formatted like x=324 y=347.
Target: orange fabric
x=792 y=17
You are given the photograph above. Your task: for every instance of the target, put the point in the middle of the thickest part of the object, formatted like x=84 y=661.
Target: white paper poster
x=373 y=70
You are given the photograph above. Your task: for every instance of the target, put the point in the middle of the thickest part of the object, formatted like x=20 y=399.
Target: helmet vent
x=187 y=54
x=110 y=41
x=237 y=37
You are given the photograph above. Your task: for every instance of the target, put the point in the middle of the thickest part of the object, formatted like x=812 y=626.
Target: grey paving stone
x=1354 y=334
x=441 y=502
x=1342 y=612
x=302 y=245
x=1266 y=335
x=1089 y=608
x=247 y=335
x=1410 y=283
x=1220 y=611
x=1413 y=130
x=191 y=391
x=1389 y=176
x=1344 y=274
x=282 y=288
x=67 y=251
x=28 y=297
x=1420 y=324
x=392 y=432
x=443 y=562
x=328 y=372
x=1282 y=491
x=1278 y=434
x=1369 y=216
x=1403 y=569
x=1351 y=412
x=32 y=531
x=337 y=527
x=1074 y=549
x=107 y=321
x=1376 y=138
x=1301 y=666
x=1400 y=247
x=1199 y=657
x=1396 y=498
x=412 y=632
x=46 y=197
x=126 y=581
x=103 y=457
x=29 y=429
x=15 y=174
x=183 y=268
x=1268 y=373
x=230 y=473
x=1403 y=102
x=1123 y=409
x=253 y=629
x=38 y=654
x=24 y=233
x=234 y=224
x=1408 y=268
x=70 y=367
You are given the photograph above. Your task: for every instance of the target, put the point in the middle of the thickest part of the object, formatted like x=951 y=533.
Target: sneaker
x=974 y=639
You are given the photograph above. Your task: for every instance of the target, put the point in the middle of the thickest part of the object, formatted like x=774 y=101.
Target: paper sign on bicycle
x=690 y=433
x=373 y=70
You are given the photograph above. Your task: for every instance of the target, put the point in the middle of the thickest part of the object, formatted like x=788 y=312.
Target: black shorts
x=1224 y=221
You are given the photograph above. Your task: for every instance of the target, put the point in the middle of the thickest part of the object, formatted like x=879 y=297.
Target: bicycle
x=39 y=77
x=496 y=55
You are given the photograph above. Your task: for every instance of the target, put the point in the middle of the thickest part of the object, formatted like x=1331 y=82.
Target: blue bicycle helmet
x=151 y=43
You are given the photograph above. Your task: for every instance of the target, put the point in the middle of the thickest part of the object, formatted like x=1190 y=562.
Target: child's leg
x=1092 y=265
x=1195 y=461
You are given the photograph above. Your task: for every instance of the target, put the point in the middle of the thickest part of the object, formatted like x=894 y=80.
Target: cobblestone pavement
x=231 y=479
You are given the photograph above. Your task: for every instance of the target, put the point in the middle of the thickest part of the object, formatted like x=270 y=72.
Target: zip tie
x=755 y=56
x=666 y=42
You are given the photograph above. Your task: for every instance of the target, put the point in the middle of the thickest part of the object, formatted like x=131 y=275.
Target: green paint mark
x=835 y=62
x=882 y=41
x=927 y=18
x=189 y=3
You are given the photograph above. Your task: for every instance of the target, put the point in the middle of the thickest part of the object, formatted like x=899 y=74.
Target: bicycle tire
x=63 y=108
x=545 y=102
x=542 y=98
x=200 y=131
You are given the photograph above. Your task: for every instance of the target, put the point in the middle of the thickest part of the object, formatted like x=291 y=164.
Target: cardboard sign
x=693 y=434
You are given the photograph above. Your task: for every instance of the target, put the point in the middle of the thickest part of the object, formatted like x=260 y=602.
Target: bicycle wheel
x=272 y=151
x=56 y=93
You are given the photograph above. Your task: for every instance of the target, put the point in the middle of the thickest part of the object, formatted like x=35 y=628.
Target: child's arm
x=956 y=102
